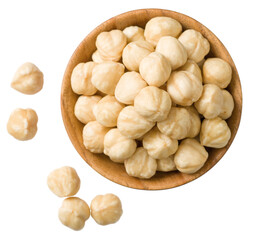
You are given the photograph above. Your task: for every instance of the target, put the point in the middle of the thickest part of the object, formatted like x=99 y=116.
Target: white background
x=219 y=205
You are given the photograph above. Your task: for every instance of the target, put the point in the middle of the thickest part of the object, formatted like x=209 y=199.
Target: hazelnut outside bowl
x=101 y=163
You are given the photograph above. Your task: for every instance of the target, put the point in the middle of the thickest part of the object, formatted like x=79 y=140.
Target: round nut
x=166 y=164
x=140 y=164
x=134 y=33
x=228 y=105
x=128 y=87
x=195 y=122
x=28 y=79
x=190 y=156
x=64 y=182
x=173 y=50
x=161 y=26
x=106 y=209
x=192 y=66
x=73 y=213
x=96 y=57
x=155 y=69
x=217 y=71
x=214 y=133
x=22 y=124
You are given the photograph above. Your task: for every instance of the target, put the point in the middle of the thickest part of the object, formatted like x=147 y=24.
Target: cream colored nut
x=131 y=124
x=107 y=110
x=153 y=103
x=195 y=122
x=158 y=145
x=166 y=164
x=177 y=125
x=173 y=50
x=106 y=209
x=215 y=133
x=96 y=57
x=134 y=33
x=83 y=109
x=217 y=71
x=22 y=124
x=64 y=182
x=110 y=44
x=192 y=66
x=155 y=69
x=73 y=213
x=228 y=105
x=161 y=26
x=140 y=164
x=134 y=52
x=211 y=102
x=184 y=88
x=128 y=87
x=93 y=136
x=81 y=79
x=28 y=79
x=117 y=146
x=190 y=156
x=106 y=75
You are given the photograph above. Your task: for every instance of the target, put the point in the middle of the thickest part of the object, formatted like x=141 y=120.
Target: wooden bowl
x=101 y=163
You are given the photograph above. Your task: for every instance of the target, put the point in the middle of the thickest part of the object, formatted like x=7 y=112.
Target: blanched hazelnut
x=228 y=105
x=217 y=71
x=110 y=44
x=106 y=209
x=128 y=87
x=64 y=182
x=134 y=52
x=28 y=79
x=195 y=122
x=134 y=33
x=177 y=124
x=73 y=213
x=93 y=136
x=107 y=110
x=215 y=133
x=159 y=145
x=192 y=66
x=196 y=45
x=166 y=164
x=190 y=156
x=161 y=26
x=117 y=146
x=83 y=109
x=140 y=164
x=155 y=69
x=173 y=50
x=96 y=57
x=81 y=79
x=131 y=124
x=184 y=88
x=22 y=124
x=211 y=102
x=153 y=103
x=106 y=75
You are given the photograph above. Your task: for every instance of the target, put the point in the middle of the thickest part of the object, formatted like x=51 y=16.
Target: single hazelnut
x=228 y=105
x=195 y=122
x=134 y=33
x=96 y=57
x=166 y=164
x=192 y=66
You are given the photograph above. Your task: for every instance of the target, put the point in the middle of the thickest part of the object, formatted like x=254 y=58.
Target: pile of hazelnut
x=151 y=100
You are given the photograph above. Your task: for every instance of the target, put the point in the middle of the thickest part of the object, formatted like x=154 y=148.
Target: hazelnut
x=192 y=66
x=184 y=88
x=155 y=69
x=190 y=156
x=117 y=146
x=140 y=164
x=22 y=124
x=106 y=75
x=173 y=50
x=166 y=164
x=211 y=102
x=153 y=103
x=214 y=133
x=158 y=145
x=134 y=33
x=81 y=79
x=195 y=122
x=228 y=105
x=93 y=136
x=161 y=26
x=106 y=209
x=128 y=87
x=83 y=109
x=217 y=71
x=96 y=57
x=107 y=110
x=134 y=52
x=64 y=182
x=73 y=213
